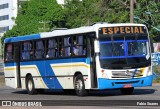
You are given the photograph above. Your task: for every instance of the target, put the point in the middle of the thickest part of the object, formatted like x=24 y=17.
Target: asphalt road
x=141 y=93
x=95 y=98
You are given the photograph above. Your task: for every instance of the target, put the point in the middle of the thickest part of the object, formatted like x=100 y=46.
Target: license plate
x=127 y=86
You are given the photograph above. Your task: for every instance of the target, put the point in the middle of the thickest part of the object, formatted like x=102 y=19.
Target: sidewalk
x=156 y=84
x=1 y=66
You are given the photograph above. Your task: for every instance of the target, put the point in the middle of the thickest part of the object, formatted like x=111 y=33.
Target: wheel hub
x=30 y=85
x=79 y=85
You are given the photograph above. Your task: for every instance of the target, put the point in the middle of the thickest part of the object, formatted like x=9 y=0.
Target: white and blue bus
x=97 y=57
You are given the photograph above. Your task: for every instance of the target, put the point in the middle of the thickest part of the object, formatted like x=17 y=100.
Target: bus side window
x=61 y=47
x=26 y=50
x=84 y=49
x=67 y=46
x=9 y=52
x=39 y=52
x=80 y=42
x=75 y=46
x=79 y=45
x=52 y=48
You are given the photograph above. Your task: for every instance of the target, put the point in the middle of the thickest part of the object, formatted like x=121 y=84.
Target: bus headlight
x=138 y=73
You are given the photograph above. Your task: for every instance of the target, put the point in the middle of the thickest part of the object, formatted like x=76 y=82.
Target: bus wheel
x=30 y=85
x=79 y=86
x=127 y=91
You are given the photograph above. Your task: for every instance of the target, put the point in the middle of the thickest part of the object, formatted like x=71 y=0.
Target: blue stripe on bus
x=45 y=69
x=22 y=38
x=114 y=41
x=10 y=64
x=113 y=84
x=107 y=57
x=69 y=60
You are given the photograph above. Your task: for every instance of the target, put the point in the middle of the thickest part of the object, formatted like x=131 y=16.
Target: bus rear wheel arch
x=30 y=85
x=79 y=85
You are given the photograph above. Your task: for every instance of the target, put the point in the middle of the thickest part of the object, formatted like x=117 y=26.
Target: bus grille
x=122 y=74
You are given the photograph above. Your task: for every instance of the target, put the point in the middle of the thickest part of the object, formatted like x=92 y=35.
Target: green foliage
x=156 y=69
x=76 y=13
x=142 y=7
x=81 y=13
x=33 y=14
x=157 y=80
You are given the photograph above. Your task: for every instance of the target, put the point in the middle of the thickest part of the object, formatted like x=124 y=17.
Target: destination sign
x=122 y=30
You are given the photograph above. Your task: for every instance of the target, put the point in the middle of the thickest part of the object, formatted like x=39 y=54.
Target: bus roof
x=85 y=29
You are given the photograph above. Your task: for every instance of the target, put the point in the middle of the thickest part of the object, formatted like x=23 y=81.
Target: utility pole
x=131 y=10
x=44 y=26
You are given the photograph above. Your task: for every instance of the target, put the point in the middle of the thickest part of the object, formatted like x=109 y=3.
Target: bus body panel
x=114 y=84
x=52 y=74
x=126 y=73
x=35 y=72
x=10 y=75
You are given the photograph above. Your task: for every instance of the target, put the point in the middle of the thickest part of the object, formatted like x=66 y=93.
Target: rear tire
x=30 y=86
x=79 y=86
x=127 y=91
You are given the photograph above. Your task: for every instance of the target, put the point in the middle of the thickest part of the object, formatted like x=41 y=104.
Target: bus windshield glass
x=112 y=49
x=120 y=51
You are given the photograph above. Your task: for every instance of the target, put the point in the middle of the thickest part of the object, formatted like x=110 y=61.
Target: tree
x=148 y=12
x=32 y=13
x=85 y=12
x=76 y=13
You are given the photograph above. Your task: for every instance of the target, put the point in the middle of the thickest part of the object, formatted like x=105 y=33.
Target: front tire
x=30 y=86
x=127 y=91
x=79 y=86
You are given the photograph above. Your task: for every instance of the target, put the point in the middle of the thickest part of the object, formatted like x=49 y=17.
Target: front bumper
x=114 y=84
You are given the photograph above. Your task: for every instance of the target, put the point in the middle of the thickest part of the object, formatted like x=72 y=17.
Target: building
x=8 y=13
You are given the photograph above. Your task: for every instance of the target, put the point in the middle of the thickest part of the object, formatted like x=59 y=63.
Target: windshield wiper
x=114 y=53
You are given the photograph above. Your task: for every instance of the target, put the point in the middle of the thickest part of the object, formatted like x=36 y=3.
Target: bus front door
x=17 y=63
x=92 y=55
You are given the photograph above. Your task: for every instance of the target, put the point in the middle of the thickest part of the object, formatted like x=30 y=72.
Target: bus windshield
x=120 y=52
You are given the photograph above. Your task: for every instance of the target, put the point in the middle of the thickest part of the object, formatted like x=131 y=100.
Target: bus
x=96 y=57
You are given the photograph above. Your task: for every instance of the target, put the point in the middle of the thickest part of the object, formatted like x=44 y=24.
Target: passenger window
x=61 y=47
x=9 y=52
x=67 y=46
x=51 y=48
x=79 y=45
x=39 y=51
x=27 y=52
